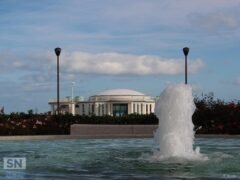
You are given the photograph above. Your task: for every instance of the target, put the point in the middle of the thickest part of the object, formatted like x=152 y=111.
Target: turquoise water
x=118 y=159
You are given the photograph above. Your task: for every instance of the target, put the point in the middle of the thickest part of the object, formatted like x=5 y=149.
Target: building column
x=86 y=108
x=111 y=109
x=89 y=109
x=93 y=109
x=153 y=107
x=132 y=110
x=129 y=108
x=140 y=110
x=144 y=108
x=105 y=109
x=108 y=108
x=96 y=109
x=100 y=109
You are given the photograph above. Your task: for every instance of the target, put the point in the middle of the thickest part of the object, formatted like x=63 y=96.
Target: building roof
x=121 y=92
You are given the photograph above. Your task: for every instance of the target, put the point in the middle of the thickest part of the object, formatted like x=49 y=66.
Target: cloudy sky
x=135 y=44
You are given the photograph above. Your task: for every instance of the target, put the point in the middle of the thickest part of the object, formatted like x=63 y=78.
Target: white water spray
x=175 y=134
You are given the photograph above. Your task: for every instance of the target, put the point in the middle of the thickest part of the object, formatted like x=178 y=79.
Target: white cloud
x=215 y=22
x=116 y=64
x=38 y=67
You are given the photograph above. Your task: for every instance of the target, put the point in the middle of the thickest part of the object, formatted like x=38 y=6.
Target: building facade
x=115 y=102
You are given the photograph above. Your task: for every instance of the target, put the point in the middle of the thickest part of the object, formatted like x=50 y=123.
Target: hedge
x=216 y=116
x=25 y=124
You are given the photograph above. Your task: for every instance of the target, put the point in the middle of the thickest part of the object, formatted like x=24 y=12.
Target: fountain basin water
x=117 y=159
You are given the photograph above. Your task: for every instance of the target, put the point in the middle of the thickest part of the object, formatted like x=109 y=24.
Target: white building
x=115 y=102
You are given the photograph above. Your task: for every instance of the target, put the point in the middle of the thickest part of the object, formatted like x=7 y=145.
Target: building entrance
x=120 y=109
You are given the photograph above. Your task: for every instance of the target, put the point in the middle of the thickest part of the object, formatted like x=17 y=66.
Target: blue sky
x=135 y=44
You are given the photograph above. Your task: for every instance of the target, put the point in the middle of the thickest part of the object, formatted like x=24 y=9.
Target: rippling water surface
x=118 y=159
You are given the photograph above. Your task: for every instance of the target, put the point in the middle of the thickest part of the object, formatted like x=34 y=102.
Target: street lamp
x=185 y=52
x=58 y=51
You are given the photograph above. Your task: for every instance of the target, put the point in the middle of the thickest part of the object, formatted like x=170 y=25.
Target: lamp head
x=185 y=51
x=58 y=51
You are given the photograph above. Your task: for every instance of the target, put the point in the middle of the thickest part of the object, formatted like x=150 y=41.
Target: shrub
x=30 y=124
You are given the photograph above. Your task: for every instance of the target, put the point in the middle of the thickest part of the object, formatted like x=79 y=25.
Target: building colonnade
x=106 y=108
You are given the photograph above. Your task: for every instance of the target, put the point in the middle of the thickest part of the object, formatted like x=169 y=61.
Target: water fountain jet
x=175 y=134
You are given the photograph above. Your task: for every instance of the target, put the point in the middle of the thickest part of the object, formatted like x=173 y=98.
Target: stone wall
x=90 y=130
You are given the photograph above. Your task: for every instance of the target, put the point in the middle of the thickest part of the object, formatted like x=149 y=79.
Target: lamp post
x=58 y=51
x=185 y=52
